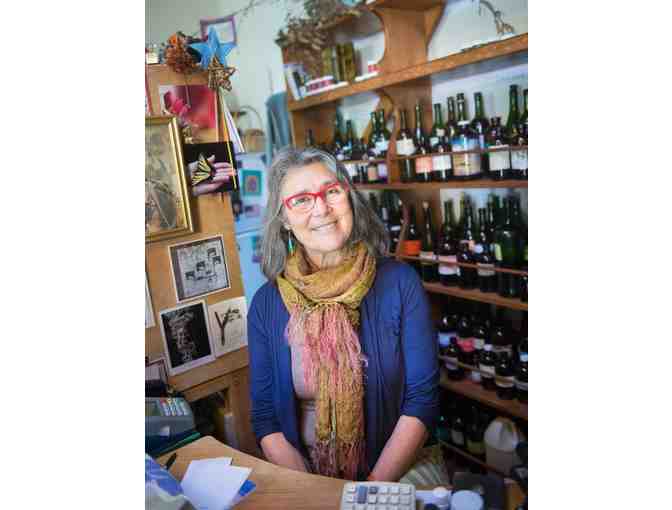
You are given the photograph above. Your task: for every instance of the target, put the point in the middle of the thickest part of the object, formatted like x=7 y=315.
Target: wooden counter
x=279 y=488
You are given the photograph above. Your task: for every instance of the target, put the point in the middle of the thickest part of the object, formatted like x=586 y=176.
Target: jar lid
x=442 y=495
x=466 y=500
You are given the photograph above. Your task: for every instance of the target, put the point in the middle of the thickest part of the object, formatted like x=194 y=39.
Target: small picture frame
x=252 y=182
x=199 y=268
x=186 y=337
x=225 y=28
x=228 y=320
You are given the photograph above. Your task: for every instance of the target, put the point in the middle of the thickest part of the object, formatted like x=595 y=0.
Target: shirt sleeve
x=420 y=349
x=264 y=419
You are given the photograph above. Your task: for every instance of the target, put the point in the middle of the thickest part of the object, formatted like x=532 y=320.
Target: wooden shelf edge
x=483 y=183
x=476 y=295
x=488 y=51
x=471 y=458
x=475 y=392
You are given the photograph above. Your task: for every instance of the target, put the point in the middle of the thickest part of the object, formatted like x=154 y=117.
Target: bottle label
x=372 y=172
x=475 y=447
x=382 y=171
x=499 y=160
x=405 y=147
x=427 y=255
x=434 y=140
x=457 y=437
x=412 y=248
x=499 y=349
x=447 y=270
x=466 y=343
x=522 y=386
x=381 y=146
x=481 y=141
x=442 y=162
x=440 y=132
x=498 y=252
x=485 y=270
x=395 y=228
x=423 y=165
x=504 y=382
x=487 y=371
x=519 y=160
x=479 y=343
x=466 y=165
x=471 y=244
x=478 y=248
x=352 y=170
x=340 y=156
x=444 y=339
x=451 y=363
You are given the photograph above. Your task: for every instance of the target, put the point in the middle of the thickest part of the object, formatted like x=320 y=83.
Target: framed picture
x=214 y=153
x=252 y=182
x=194 y=106
x=149 y=311
x=186 y=337
x=167 y=209
x=225 y=27
x=229 y=325
x=199 y=268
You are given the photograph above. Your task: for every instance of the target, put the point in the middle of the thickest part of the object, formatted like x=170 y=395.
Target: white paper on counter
x=211 y=484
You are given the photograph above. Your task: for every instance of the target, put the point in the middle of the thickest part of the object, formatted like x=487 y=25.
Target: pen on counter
x=170 y=461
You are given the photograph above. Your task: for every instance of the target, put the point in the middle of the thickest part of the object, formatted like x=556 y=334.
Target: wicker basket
x=254 y=139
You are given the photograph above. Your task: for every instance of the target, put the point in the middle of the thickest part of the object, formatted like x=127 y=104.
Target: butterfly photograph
x=211 y=167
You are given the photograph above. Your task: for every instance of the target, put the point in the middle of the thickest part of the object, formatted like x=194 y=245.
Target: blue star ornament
x=212 y=47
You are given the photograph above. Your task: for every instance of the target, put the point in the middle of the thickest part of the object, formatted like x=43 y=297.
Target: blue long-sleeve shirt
x=397 y=337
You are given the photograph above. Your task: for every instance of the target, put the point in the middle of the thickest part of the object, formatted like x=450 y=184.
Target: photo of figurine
x=167 y=209
x=186 y=337
x=228 y=320
x=199 y=267
x=194 y=106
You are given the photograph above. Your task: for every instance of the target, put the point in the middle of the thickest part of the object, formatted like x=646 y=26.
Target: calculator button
x=361 y=494
x=350 y=498
x=381 y=507
x=372 y=499
x=382 y=499
x=382 y=489
x=392 y=507
x=371 y=507
x=373 y=490
x=361 y=507
x=404 y=507
x=352 y=488
x=394 y=499
x=405 y=489
x=405 y=499
x=348 y=507
x=394 y=490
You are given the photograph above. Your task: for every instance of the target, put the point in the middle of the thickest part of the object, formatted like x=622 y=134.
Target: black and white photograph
x=186 y=337
x=228 y=320
x=199 y=268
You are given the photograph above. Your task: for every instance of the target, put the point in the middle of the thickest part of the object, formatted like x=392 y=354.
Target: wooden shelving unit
x=476 y=392
x=476 y=295
x=471 y=458
x=436 y=186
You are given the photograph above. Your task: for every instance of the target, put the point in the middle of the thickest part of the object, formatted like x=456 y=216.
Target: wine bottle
x=337 y=144
x=438 y=131
x=457 y=430
x=481 y=331
x=372 y=175
x=349 y=141
x=395 y=224
x=383 y=140
x=500 y=159
x=405 y=147
x=507 y=243
x=448 y=247
x=487 y=279
x=487 y=366
x=465 y=339
x=521 y=379
x=505 y=378
x=519 y=157
x=480 y=126
x=466 y=162
x=310 y=141
x=371 y=148
x=511 y=130
x=423 y=165
x=412 y=243
x=442 y=164
x=468 y=277
x=452 y=356
x=427 y=249
x=447 y=329
x=500 y=334
x=475 y=432
x=451 y=122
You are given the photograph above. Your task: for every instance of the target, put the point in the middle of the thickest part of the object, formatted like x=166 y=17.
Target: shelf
x=461 y=264
x=476 y=392
x=476 y=295
x=480 y=183
x=512 y=148
x=489 y=51
x=471 y=458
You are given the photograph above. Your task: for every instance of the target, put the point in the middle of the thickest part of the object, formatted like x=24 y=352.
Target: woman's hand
x=223 y=173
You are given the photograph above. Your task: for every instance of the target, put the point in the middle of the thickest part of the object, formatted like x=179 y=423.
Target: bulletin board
x=212 y=216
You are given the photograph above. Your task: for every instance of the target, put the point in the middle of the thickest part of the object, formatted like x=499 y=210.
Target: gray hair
x=366 y=227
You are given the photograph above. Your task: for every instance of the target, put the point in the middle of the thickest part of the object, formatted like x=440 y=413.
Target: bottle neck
x=513 y=104
x=448 y=212
x=478 y=105
x=438 y=120
x=461 y=110
x=418 y=118
x=403 y=126
x=451 y=110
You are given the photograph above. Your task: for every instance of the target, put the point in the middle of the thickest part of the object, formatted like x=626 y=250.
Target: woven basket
x=254 y=139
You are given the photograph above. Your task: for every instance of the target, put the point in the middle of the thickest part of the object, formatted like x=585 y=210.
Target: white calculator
x=378 y=496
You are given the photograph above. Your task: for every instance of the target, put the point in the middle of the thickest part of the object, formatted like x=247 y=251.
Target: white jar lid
x=466 y=500
x=442 y=495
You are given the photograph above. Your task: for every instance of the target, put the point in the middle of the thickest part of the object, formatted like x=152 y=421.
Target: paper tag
x=405 y=147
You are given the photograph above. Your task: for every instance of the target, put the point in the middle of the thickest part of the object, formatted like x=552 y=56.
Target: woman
x=343 y=359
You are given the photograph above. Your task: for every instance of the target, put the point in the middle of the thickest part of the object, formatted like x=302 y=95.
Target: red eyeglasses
x=332 y=194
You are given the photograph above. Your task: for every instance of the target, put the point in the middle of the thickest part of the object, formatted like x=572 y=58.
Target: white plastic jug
x=501 y=438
